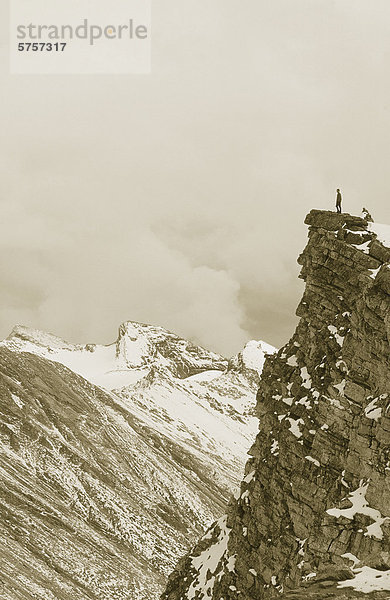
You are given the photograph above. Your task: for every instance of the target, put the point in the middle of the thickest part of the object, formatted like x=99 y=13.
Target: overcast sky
x=178 y=198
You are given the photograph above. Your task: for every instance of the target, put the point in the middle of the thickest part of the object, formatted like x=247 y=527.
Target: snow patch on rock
x=368 y=580
x=361 y=506
x=208 y=564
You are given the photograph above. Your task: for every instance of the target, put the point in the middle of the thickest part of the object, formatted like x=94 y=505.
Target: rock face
x=113 y=459
x=312 y=519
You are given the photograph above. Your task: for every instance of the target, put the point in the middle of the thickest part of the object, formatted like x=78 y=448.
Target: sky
x=178 y=198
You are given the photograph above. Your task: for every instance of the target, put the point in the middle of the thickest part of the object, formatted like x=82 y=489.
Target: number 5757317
x=41 y=46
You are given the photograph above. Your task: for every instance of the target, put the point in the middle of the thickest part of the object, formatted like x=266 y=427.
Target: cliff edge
x=312 y=519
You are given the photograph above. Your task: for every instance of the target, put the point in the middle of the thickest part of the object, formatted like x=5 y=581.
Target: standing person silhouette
x=338 y=201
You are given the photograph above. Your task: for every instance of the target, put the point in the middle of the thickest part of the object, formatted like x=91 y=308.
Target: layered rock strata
x=312 y=519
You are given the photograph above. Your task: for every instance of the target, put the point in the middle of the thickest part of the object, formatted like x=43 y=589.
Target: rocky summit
x=115 y=459
x=312 y=518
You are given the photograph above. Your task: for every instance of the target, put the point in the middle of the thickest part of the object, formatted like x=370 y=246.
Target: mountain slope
x=312 y=518
x=113 y=459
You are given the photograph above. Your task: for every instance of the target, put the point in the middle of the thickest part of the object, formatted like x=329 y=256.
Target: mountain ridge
x=136 y=346
x=108 y=453
x=312 y=517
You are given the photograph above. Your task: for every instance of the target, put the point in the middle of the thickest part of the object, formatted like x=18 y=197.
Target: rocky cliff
x=312 y=519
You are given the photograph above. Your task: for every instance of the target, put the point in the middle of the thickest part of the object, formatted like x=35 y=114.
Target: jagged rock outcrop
x=312 y=519
x=139 y=344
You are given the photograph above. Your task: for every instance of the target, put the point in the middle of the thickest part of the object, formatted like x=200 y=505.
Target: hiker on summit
x=338 y=201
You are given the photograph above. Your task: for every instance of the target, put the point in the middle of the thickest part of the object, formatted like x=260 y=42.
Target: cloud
x=179 y=198
x=91 y=285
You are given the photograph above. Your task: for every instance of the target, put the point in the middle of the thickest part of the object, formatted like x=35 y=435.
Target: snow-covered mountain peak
x=27 y=335
x=250 y=360
x=133 y=346
x=253 y=354
x=139 y=349
x=139 y=344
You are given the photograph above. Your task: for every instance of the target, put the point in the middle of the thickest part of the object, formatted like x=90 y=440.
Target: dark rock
x=324 y=440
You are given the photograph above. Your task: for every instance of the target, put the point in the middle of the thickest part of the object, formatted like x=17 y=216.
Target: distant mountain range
x=114 y=459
